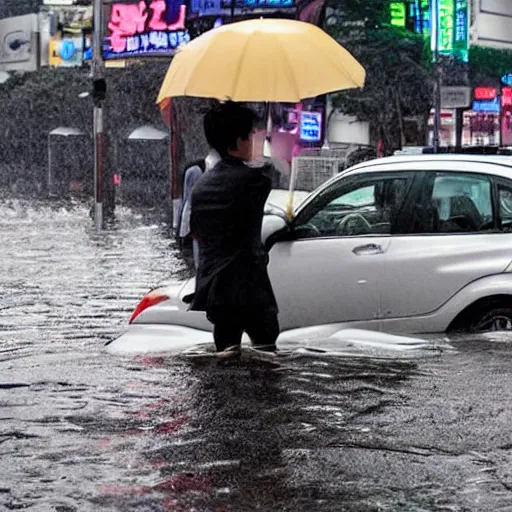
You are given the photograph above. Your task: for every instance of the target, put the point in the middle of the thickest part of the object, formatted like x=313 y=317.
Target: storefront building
x=488 y=121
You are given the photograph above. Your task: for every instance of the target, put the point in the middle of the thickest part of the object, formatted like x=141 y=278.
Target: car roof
x=503 y=163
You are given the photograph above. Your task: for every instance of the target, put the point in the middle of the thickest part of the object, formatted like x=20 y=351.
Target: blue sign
x=487 y=106
x=156 y=42
x=268 y=3
x=311 y=126
x=67 y=49
x=507 y=79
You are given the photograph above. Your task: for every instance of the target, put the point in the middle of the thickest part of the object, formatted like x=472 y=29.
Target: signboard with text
x=455 y=97
x=461 y=30
x=452 y=28
x=311 y=126
x=148 y=27
x=487 y=106
x=445 y=26
x=485 y=93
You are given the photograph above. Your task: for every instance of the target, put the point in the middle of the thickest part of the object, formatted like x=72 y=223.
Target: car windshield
x=357 y=198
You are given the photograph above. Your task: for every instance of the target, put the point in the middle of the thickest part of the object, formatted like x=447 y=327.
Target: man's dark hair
x=225 y=123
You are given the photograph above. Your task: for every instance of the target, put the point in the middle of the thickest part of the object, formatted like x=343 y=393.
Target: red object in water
x=152 y=298
x=171 y=426
x=185 y=482
x=117 y=179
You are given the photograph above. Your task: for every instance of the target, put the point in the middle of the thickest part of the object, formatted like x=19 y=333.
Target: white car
x=403 y=245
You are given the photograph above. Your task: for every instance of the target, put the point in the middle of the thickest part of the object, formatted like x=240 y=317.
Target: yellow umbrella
x=267 y=60
x=262 y=60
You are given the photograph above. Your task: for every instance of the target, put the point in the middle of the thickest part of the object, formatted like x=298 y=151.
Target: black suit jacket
x=227 y=212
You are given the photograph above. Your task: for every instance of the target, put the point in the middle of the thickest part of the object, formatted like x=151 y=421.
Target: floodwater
x=85 y=430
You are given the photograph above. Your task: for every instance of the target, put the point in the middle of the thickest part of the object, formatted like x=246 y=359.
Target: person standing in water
x=227 y=206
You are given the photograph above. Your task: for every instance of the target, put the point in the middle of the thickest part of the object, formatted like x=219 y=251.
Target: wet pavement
x=85 y=430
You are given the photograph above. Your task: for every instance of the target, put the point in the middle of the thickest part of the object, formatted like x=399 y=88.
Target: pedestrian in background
x=192 y=174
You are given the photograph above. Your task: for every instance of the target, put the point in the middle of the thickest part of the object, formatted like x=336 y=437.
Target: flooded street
x=85 y=430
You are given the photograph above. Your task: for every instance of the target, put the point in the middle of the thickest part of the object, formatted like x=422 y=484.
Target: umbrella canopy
x=262 y=60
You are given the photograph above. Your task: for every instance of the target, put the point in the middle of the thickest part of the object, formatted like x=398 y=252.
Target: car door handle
x=367 y=250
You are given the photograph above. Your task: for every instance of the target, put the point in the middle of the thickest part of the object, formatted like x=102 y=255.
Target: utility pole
x=437 y=68
x=99 y=92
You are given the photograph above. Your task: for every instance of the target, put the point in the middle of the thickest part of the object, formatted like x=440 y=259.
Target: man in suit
x=232 y=283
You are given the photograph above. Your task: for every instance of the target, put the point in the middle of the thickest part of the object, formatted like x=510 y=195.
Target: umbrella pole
x=267 y=145
x=289 y=204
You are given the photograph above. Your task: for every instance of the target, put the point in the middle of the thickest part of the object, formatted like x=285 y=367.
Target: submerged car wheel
x=495 y=319
x=488 y=315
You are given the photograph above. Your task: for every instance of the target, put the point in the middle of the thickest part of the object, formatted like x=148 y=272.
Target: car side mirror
x=271 y=225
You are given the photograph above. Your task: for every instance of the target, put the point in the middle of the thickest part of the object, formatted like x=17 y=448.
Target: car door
x=325 y=268
x=455 y=239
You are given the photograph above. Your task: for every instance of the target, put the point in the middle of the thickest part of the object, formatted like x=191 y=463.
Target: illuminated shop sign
x=446 y=25
x=150 y=27
x=398 y=14
x=311 y=126
x=422 y=16
x=412 y=15
x=275 y=4
x=485 y=93
x=507 y=79
x=487 y=106
x=506 y=96
x=452 y=20
x=461 y=34
x=220 y=8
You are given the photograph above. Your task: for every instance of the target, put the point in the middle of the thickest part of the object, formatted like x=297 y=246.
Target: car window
x=505 y=207
x=364 y=207
x=359 y=197
x=455 y=203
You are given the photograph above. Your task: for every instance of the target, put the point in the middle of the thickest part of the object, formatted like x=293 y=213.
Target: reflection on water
x=85 y=430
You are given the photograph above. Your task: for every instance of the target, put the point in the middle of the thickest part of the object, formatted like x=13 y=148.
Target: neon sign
x=398 y=14
x=412 y=15
x=146 y=27
x=485 y=93
x=507 y=79
x=450 y=25
x=461 y=39
x=267 y=3
x=421 y=16
x=311 y=126
x=446 y=25
x=506 y=96
x=487 y=106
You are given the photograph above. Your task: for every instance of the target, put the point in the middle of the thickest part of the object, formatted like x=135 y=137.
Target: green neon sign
x=461 y=30
x=398 y=14
x=446 y=16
